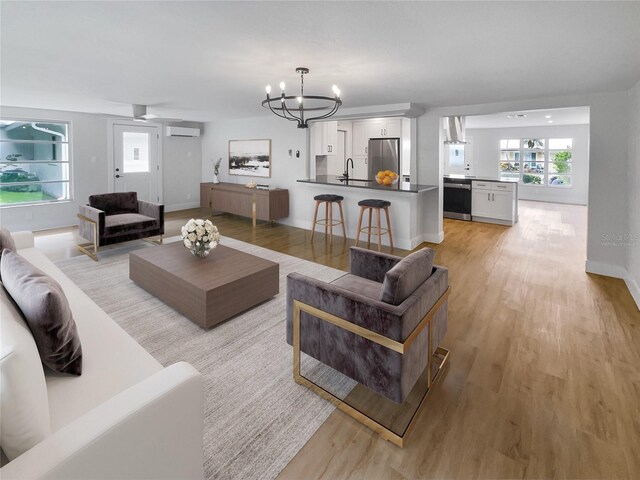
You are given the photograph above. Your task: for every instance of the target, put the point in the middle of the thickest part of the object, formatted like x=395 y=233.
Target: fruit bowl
x=387 y=178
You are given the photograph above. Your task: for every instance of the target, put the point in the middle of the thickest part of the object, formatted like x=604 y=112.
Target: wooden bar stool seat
x=372 y=204
x=328 y=222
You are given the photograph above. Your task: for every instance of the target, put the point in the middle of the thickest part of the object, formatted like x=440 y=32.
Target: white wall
x=182 y=163
x=486 y=152
x=633 y=179
x=285 y=170
x=89 y=157
x=608 y=152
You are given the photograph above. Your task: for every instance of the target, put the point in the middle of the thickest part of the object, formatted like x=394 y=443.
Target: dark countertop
x=372 y=185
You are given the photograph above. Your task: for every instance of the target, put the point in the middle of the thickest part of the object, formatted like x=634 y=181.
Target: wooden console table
x=267 y=205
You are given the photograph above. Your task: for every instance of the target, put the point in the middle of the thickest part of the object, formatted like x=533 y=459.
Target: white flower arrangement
x=200 y=236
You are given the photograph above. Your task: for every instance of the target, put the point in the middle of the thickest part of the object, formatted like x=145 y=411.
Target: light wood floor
x=544 y=373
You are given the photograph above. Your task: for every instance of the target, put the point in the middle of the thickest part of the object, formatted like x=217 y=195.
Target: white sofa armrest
x=153 y=430
x=23 y=239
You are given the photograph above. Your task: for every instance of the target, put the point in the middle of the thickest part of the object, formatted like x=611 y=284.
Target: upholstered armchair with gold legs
x=381 y=325
x=118 y=217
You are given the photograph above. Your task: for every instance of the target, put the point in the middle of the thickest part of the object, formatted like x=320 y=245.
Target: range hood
x=454 y=130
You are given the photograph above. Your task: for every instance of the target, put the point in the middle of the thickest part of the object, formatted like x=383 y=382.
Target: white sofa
x=125 y=417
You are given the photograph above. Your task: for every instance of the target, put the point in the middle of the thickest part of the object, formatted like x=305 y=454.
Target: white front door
x=135 y=161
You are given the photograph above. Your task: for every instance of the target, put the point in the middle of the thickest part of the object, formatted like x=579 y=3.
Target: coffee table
x=205 y=290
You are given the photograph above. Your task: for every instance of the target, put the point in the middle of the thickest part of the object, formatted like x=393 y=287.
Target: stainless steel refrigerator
x=384 y=154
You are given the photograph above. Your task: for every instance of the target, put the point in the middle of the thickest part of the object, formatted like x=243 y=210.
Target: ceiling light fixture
x=549 y=121
x=299 y=111
x=516 y=115
x=547 y=116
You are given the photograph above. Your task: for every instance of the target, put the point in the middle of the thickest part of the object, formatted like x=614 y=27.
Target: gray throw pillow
x=6 y=240
x=407 y=275
x=46 y=311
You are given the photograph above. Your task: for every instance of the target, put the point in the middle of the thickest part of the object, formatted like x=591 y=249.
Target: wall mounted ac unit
x=182 y=132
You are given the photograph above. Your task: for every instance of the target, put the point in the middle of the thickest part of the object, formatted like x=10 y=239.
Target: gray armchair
x=380 y=325
x=118 y=217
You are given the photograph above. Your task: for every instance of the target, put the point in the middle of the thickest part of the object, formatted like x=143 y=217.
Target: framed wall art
x=250 y=157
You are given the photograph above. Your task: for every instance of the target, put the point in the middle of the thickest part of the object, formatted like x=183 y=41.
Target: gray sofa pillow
x=46 y=311
x=408 y=274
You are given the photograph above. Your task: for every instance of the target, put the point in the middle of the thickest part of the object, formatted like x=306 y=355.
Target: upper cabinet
x=325 y=135
x=385 y=127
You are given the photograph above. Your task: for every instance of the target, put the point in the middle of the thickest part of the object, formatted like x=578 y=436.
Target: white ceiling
x=208 y=60
x=532 y=118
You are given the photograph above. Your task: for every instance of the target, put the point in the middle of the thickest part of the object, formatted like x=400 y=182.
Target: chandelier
x=297 y=108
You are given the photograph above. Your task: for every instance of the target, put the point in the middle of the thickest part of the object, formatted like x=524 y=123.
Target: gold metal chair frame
x=400 y=347
x=84 y=247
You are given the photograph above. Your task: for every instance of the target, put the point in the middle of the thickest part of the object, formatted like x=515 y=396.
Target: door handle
x=365 y=149
x=365 y=160
x=493 y=197
x=488 y=197
x=119 y=176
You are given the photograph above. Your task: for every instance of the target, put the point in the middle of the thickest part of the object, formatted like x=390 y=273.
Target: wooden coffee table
x=205 y=290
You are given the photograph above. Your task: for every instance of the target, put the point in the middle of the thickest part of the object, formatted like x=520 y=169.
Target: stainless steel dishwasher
x=457 y=198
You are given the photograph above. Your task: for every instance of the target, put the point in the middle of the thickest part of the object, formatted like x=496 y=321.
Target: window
x=135 y=152
x=537 y=161
x=34 y=162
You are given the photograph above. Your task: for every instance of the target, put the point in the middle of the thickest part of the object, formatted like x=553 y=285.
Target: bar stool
x=327 y=221
x=371 y=204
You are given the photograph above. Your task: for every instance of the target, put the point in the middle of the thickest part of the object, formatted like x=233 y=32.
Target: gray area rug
x=256 y=417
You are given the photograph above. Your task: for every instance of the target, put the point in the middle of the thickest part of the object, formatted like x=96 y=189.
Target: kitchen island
x=407 y=211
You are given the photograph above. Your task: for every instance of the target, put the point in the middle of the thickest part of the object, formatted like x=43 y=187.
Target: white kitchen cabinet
x=393 y=127
x=385 y=127
x=325 y=136
x=360 y=138
x=494 y=202
x=360 y=167
x=481 y=203
x=335 y=165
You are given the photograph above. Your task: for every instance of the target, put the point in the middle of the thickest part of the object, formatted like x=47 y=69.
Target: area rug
x=256 y=417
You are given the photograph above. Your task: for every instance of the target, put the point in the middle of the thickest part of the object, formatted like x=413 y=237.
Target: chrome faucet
x=346 y=173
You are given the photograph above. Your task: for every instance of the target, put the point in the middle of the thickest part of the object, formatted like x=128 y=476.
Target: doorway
x=459 y=158
x=136 y=166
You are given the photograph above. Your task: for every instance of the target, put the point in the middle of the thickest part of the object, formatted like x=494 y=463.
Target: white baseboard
x=433 y=237
x=615 y=271
x=634 y=288
x=606 y=269
x=181 y=206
